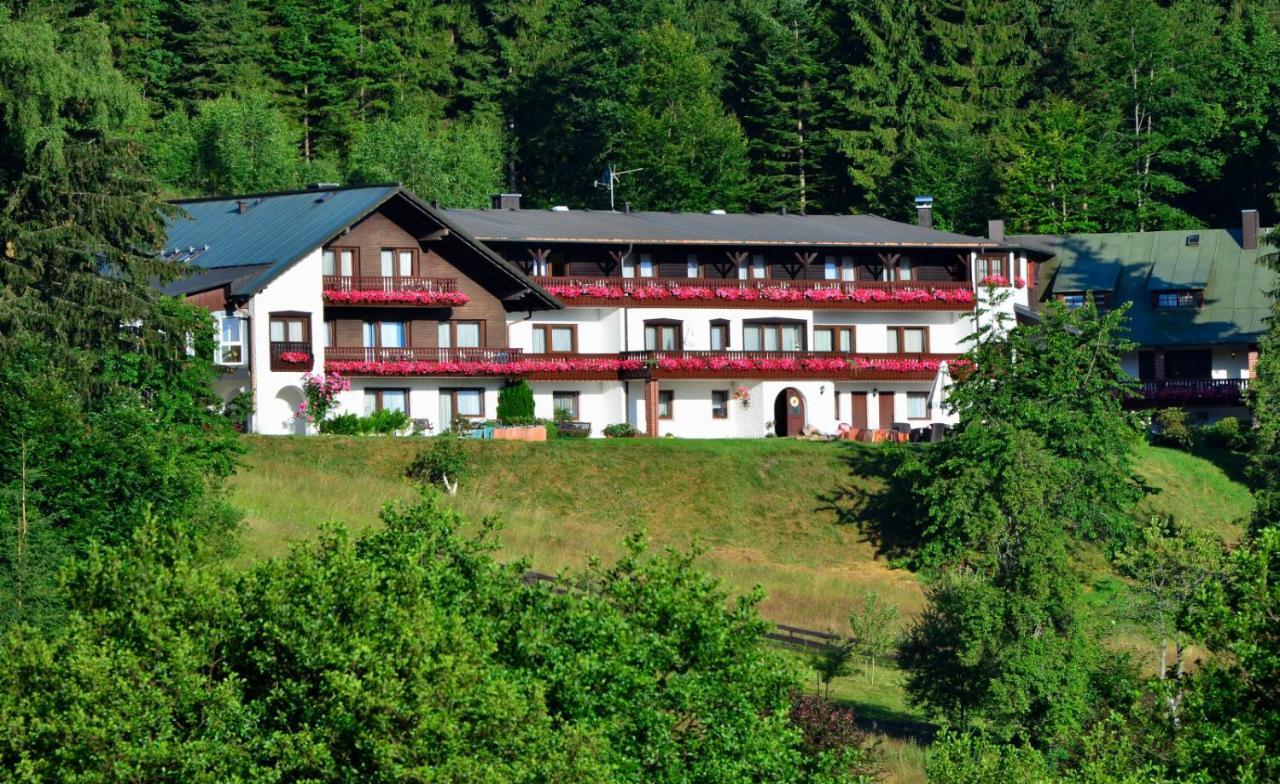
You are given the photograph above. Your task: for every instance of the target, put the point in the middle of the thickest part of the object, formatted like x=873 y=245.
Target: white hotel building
x=695 y=325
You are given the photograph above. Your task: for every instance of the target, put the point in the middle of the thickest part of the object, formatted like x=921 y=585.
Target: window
x=759 y=267
x=831 y=268
x=339 y=261
x=290 y=328
x=1190 y=298
x=773 y=336
x=396 y=263
x=1073 y=301
x=990 y=265
x=1188 y=364
x=555 y=338
x=231 y=340
x=908 y=340
x=905 y=271
x=565 y=404
x=467 y=403
x=385 y=334
x=917 y=405
x=460 y=334
x=331 y=334
x=692 y=268
x=833 y=339
x=646 y=265
x=662 y=336
x=719 y=335
x=719 y=404
x=666 y=403
x=386 y=400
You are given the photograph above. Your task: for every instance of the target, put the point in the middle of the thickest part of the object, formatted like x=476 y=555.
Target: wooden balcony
x=580 y=291
x=288 y=355
x=379 y=290
x=1190 y=392
x=783 y=365
x=417 y=354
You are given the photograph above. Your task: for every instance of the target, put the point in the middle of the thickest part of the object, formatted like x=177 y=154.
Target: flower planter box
x=521 y=433
x=574 y=429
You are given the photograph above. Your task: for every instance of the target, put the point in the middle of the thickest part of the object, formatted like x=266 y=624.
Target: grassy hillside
x=763 y=509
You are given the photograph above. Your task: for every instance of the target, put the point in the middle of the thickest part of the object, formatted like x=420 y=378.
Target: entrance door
x=859 y=417
x=886 y=410
x=788 y=412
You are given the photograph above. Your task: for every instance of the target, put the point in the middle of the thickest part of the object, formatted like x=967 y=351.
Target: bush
x=621 y=430
x=515 y=404
x=385 y=422
x=445 y=461
x=341 y=425
x=1171 y=428
x=1229 y=433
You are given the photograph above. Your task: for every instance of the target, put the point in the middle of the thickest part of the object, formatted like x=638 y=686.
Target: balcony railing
x=379 y=290
x=785 y=364
x=287 y=355
x=770 y=292
x=1191 y=391
x=417 y=354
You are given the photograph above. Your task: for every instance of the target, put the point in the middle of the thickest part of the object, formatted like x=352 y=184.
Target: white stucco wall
x=277 y=395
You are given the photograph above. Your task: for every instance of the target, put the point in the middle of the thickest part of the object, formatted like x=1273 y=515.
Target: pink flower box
x=380 y=297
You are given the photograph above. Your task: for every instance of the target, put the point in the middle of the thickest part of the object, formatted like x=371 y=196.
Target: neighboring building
x=1198 y=303
x=698 y=325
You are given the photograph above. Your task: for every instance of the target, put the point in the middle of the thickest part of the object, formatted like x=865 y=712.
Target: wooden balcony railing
x=287 y=355
x=417 y=354
x=380 y=283
x=1190 y=391
x=769 y=292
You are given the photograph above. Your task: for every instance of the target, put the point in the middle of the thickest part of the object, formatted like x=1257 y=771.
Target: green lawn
x=768 y=512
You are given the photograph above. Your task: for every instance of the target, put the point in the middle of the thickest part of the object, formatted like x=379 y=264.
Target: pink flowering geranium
x=380 y=297
x=294 y=357
x=1019 y=283
x=322 y=392
x=995 y=280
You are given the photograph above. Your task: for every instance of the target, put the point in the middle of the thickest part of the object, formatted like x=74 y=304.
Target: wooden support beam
x=434 y=236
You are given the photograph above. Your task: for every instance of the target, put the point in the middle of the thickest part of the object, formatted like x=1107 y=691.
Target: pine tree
x=220 y=46
x=779 y=87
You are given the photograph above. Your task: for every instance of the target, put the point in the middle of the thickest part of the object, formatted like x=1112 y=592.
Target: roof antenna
x=610 y=180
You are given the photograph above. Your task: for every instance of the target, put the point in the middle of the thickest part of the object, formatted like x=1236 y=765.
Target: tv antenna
x=610 y=180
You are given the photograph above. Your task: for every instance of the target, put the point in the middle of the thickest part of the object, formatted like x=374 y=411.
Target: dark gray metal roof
x=692 y=228
x=237 y=278
x=276 y=230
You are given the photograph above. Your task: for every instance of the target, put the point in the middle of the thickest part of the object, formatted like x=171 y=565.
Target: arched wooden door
x=788 y=412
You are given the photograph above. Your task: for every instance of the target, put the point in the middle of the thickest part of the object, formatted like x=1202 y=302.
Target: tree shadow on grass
x=883 y=509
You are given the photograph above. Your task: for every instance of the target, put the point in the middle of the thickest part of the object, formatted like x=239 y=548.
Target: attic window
x=1182 y=298
x=1073 y=300
x=1193 y=240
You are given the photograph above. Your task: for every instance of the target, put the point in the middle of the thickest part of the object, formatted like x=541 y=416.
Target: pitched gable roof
x=1132 y=266
x=262 y=235
x=690 y=228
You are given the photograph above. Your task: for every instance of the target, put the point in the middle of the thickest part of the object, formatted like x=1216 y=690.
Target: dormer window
x=1182 y=298
x=1073 y=300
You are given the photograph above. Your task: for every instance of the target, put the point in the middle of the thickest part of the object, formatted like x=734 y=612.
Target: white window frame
x=243 y=343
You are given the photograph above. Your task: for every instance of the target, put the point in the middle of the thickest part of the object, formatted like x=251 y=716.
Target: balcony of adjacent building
x=800 y=293
x=395 y=290
x=1175 y=392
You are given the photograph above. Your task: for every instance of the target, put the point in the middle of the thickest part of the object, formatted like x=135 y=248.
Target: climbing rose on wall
x=322 y=392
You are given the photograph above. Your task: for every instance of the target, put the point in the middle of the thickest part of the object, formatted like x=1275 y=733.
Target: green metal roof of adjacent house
x=1133 y=266
x=248 y=241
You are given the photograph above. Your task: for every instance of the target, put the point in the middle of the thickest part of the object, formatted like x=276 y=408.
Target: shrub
x=341 y=425
x=1228 y=433
x=515 y=404
x=445 y=461
x=385 y=422
x=621 y=430
x=1172 y=428
x=239 y=408
x=322 y=395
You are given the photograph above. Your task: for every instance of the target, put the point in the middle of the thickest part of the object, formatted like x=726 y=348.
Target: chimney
x=626 y=207
x=242 y=206
x=924 y=211
x=506 y=201
x=1249 y=229
x=995 y=231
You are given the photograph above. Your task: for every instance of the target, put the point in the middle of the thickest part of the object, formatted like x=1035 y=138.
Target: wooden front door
x=788 y=412
x=886 y=410
x=858 y=418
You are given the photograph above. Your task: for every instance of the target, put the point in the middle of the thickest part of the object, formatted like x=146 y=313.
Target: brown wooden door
x=886 y=410
x=789 y=412
x=858 y=418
